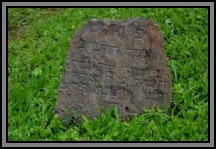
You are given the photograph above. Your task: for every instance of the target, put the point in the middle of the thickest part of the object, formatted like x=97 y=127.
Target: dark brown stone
x=118 y=63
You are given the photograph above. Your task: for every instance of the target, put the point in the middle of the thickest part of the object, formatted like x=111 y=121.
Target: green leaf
x=168 y=21
x=113 y=10
x=37 y=72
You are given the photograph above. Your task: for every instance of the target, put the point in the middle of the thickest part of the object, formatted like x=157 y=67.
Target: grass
x=38 y=40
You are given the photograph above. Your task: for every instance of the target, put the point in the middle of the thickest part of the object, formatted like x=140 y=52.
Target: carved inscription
x=101 y=77
x=97 y=80
x=96 y=48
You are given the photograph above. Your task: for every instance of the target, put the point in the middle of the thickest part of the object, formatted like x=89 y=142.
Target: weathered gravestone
x=118 y=63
